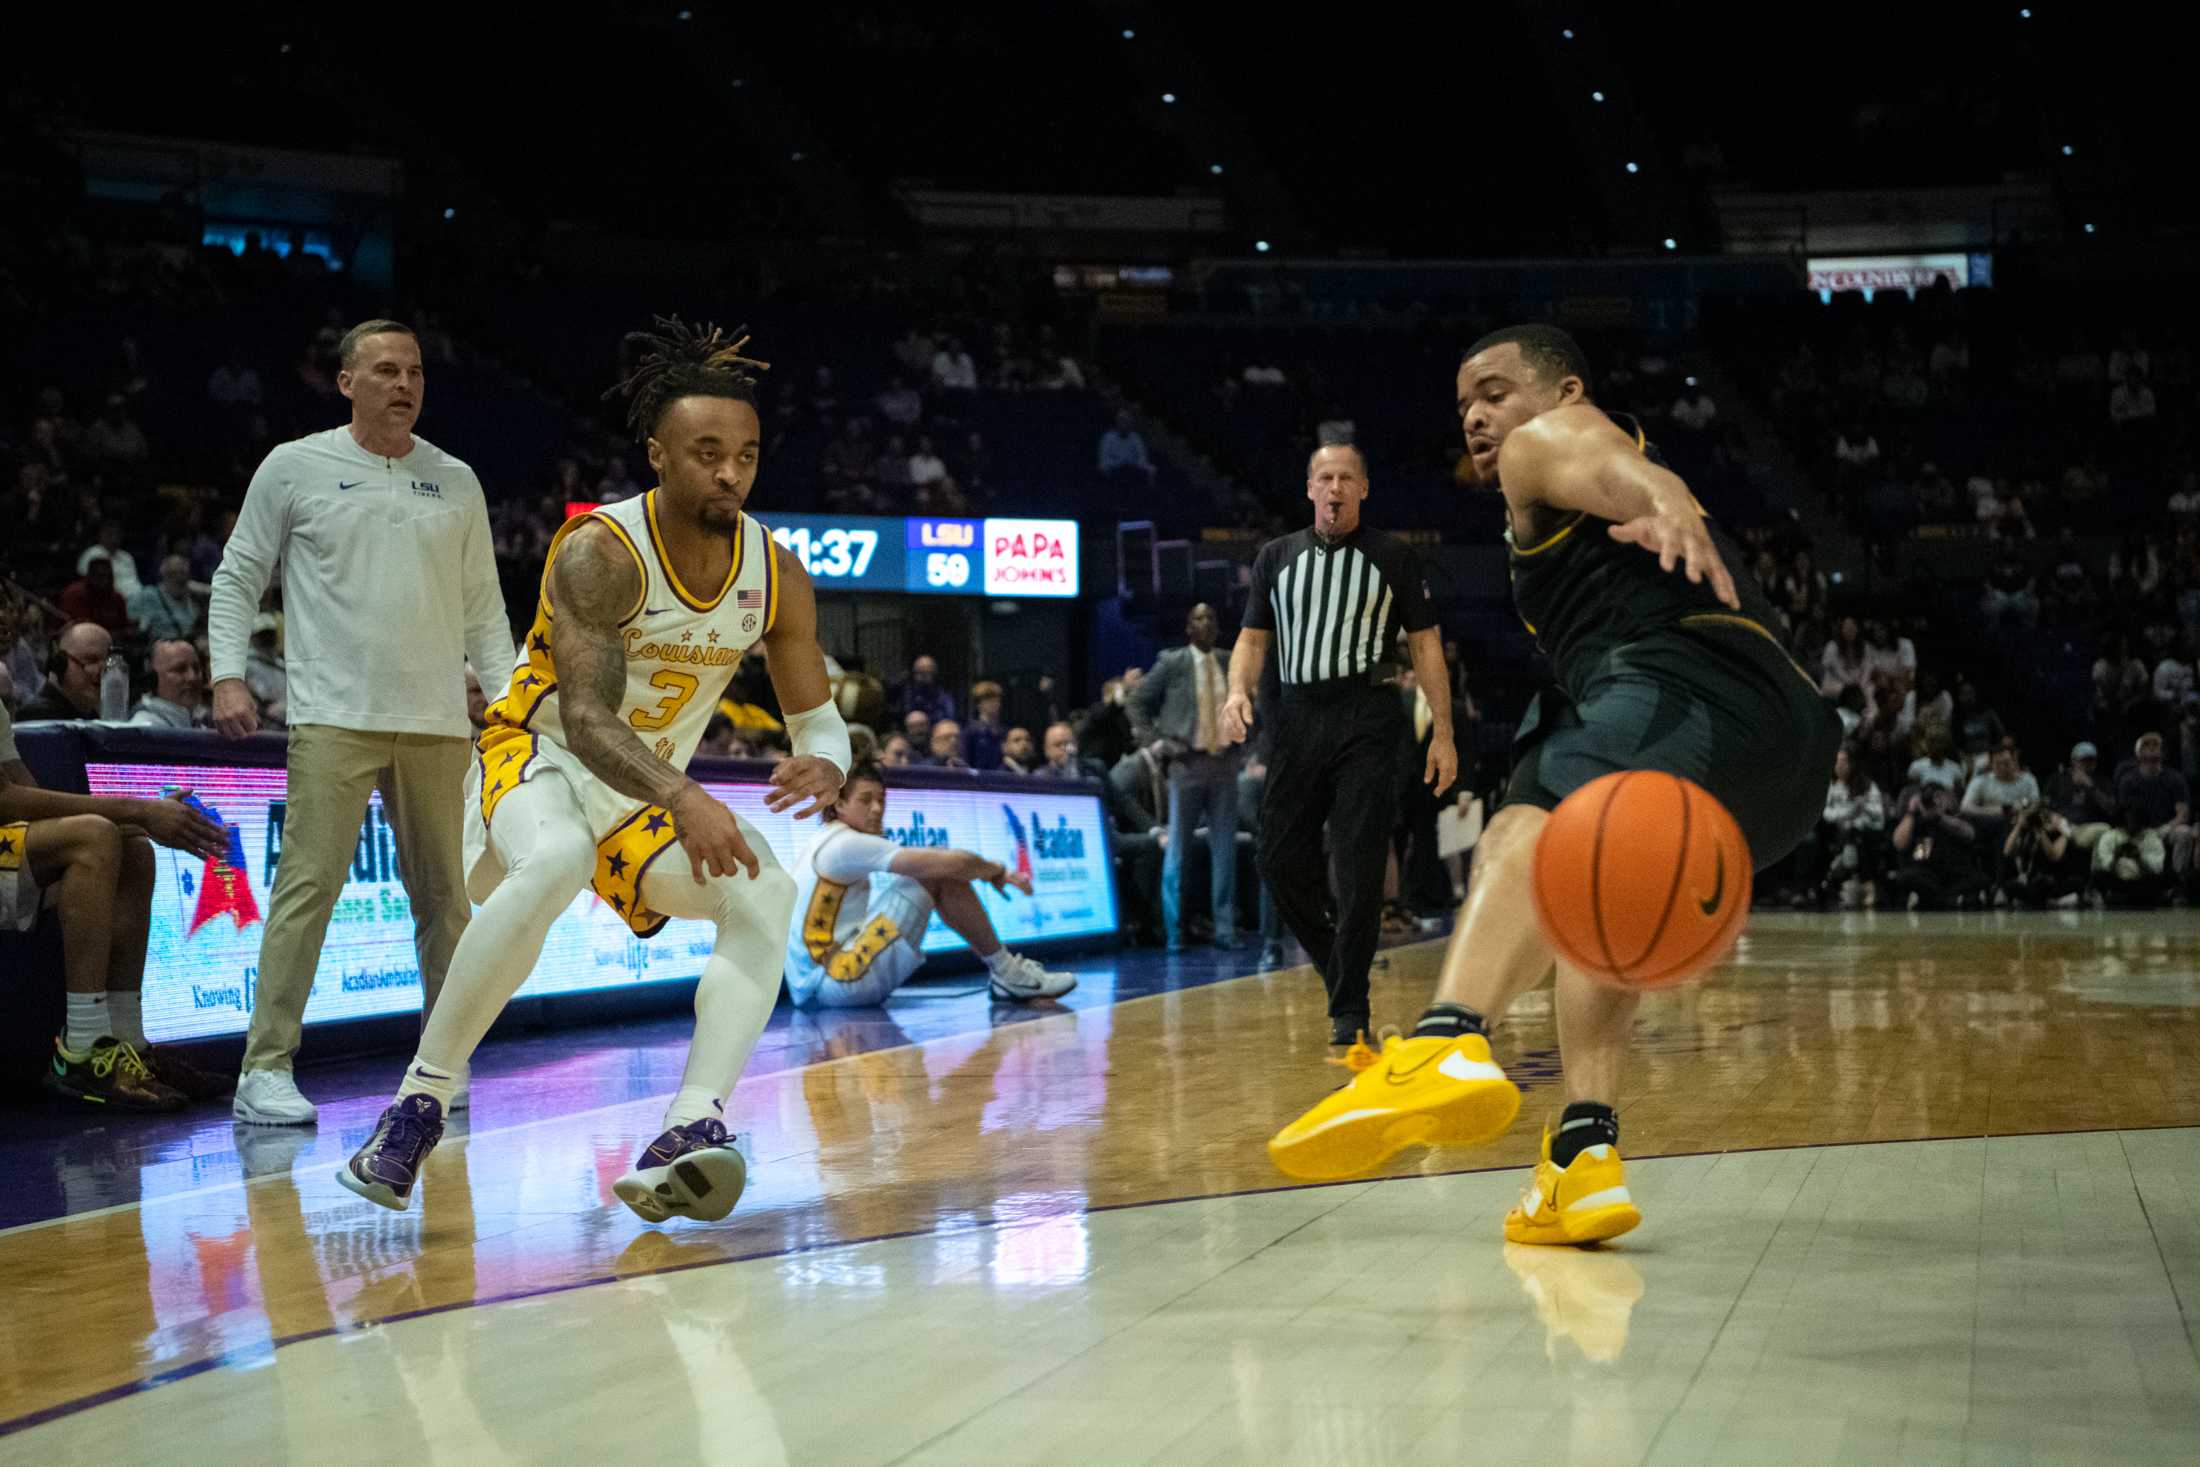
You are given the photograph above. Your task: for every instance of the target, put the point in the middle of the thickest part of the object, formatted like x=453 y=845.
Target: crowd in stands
x=2023 y=487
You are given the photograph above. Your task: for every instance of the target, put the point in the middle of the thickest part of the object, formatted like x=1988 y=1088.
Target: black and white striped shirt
x=1335 y=610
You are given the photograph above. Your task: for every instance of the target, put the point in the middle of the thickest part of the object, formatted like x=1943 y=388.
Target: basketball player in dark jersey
x=1658 y=661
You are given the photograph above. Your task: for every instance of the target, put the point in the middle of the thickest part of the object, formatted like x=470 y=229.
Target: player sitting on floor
x=862 y=905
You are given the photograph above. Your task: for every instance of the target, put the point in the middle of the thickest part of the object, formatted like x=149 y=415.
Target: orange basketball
x=1641 y=879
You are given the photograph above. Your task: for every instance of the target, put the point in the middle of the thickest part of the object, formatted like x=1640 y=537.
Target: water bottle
x=114 y=690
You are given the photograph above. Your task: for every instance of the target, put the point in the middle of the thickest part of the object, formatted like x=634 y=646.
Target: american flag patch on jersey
x=748 y=600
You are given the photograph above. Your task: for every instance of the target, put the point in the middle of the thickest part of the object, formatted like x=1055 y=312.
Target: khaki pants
x=332 y=772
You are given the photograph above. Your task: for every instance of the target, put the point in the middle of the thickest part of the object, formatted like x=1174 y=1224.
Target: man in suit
x=1180 y=703
x=1137 y=797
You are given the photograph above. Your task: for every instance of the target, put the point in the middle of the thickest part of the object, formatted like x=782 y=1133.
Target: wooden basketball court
x=1916 y=1190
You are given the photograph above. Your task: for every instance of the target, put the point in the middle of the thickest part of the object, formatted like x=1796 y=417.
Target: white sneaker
x=271 y=1098
x=1025 y=980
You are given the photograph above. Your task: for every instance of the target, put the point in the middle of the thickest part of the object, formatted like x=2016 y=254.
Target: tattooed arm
x=594 y=583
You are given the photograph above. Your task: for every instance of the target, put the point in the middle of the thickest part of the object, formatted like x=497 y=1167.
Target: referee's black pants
x=1335 y=762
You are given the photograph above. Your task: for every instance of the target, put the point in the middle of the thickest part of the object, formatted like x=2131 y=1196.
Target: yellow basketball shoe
x=1429 y=1091
x=1584 y=1202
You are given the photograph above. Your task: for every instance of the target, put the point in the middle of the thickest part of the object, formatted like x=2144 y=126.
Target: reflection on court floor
x=1915 y=1190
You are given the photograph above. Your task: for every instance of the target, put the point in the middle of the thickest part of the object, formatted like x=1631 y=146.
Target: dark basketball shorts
x=1714 y=700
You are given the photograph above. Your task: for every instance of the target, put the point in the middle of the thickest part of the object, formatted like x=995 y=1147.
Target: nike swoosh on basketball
x=340 y=484
x=1710 y=904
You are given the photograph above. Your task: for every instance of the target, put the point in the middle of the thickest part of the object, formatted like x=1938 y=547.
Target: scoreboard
x=929 y=557
x=933 y=557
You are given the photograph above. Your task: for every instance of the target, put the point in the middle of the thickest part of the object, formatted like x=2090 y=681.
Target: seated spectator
x=1856 y=447
x=1019 y=755
x=916 y=727
x=167 y=609
x=2173 y=677
x=92 y=597
x=897 y=752
x=925 y=465
x=2184 y=502
x=1843 y=664
x=921 y=693
x=265 y=673
x=31 y=645
x=1062 y=759
x=952 y=368
x=109 y=548
x=2155 y=798
x=2132 y=864
x=947 y=746
x=2043 y=863
x=1887 y=653
x=1998 y=794
x=2011 y=601
x=1924 y=706
x=1935 y=868
x=178 y=698
x=982 y=740
x=1938 y=766
x=1850 y=834
x=2131 y=401
x=2076 y=793
x=901 y=404
x=1123 y=450
x=1803 y=588
x=70 y=690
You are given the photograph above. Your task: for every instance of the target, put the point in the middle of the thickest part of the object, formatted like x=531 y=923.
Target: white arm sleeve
x=247 y=561
x=851 y=856
x=821 y=733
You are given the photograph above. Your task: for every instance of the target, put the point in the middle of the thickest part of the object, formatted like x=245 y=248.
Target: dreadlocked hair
x=679 y=360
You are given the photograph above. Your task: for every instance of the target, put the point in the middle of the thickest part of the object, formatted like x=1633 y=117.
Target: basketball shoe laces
x=123 y=1054
x=408 y=1137
x=1362 y=1056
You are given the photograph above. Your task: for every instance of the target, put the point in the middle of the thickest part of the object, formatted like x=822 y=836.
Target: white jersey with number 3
x=682 y=644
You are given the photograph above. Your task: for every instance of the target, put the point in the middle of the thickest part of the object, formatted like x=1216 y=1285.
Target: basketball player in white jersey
x=865 y=903
x=647 y=607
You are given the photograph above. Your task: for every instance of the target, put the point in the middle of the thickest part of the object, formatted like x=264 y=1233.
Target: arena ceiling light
x=1260 y=246
x=1633 y=167
x=1168 y=99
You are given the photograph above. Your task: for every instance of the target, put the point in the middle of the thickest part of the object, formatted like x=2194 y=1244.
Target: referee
x=1330 y=598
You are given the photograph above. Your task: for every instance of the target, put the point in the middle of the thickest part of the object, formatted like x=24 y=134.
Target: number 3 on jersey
x=681 y=687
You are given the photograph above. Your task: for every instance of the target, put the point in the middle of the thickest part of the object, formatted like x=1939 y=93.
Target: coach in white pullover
x=389 y=589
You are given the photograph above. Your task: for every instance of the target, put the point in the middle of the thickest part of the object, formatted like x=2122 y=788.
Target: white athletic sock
x=425 y=1077
x=88 y=1022
x=999 y=961
x=126 y=1013
x=692 y=1103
